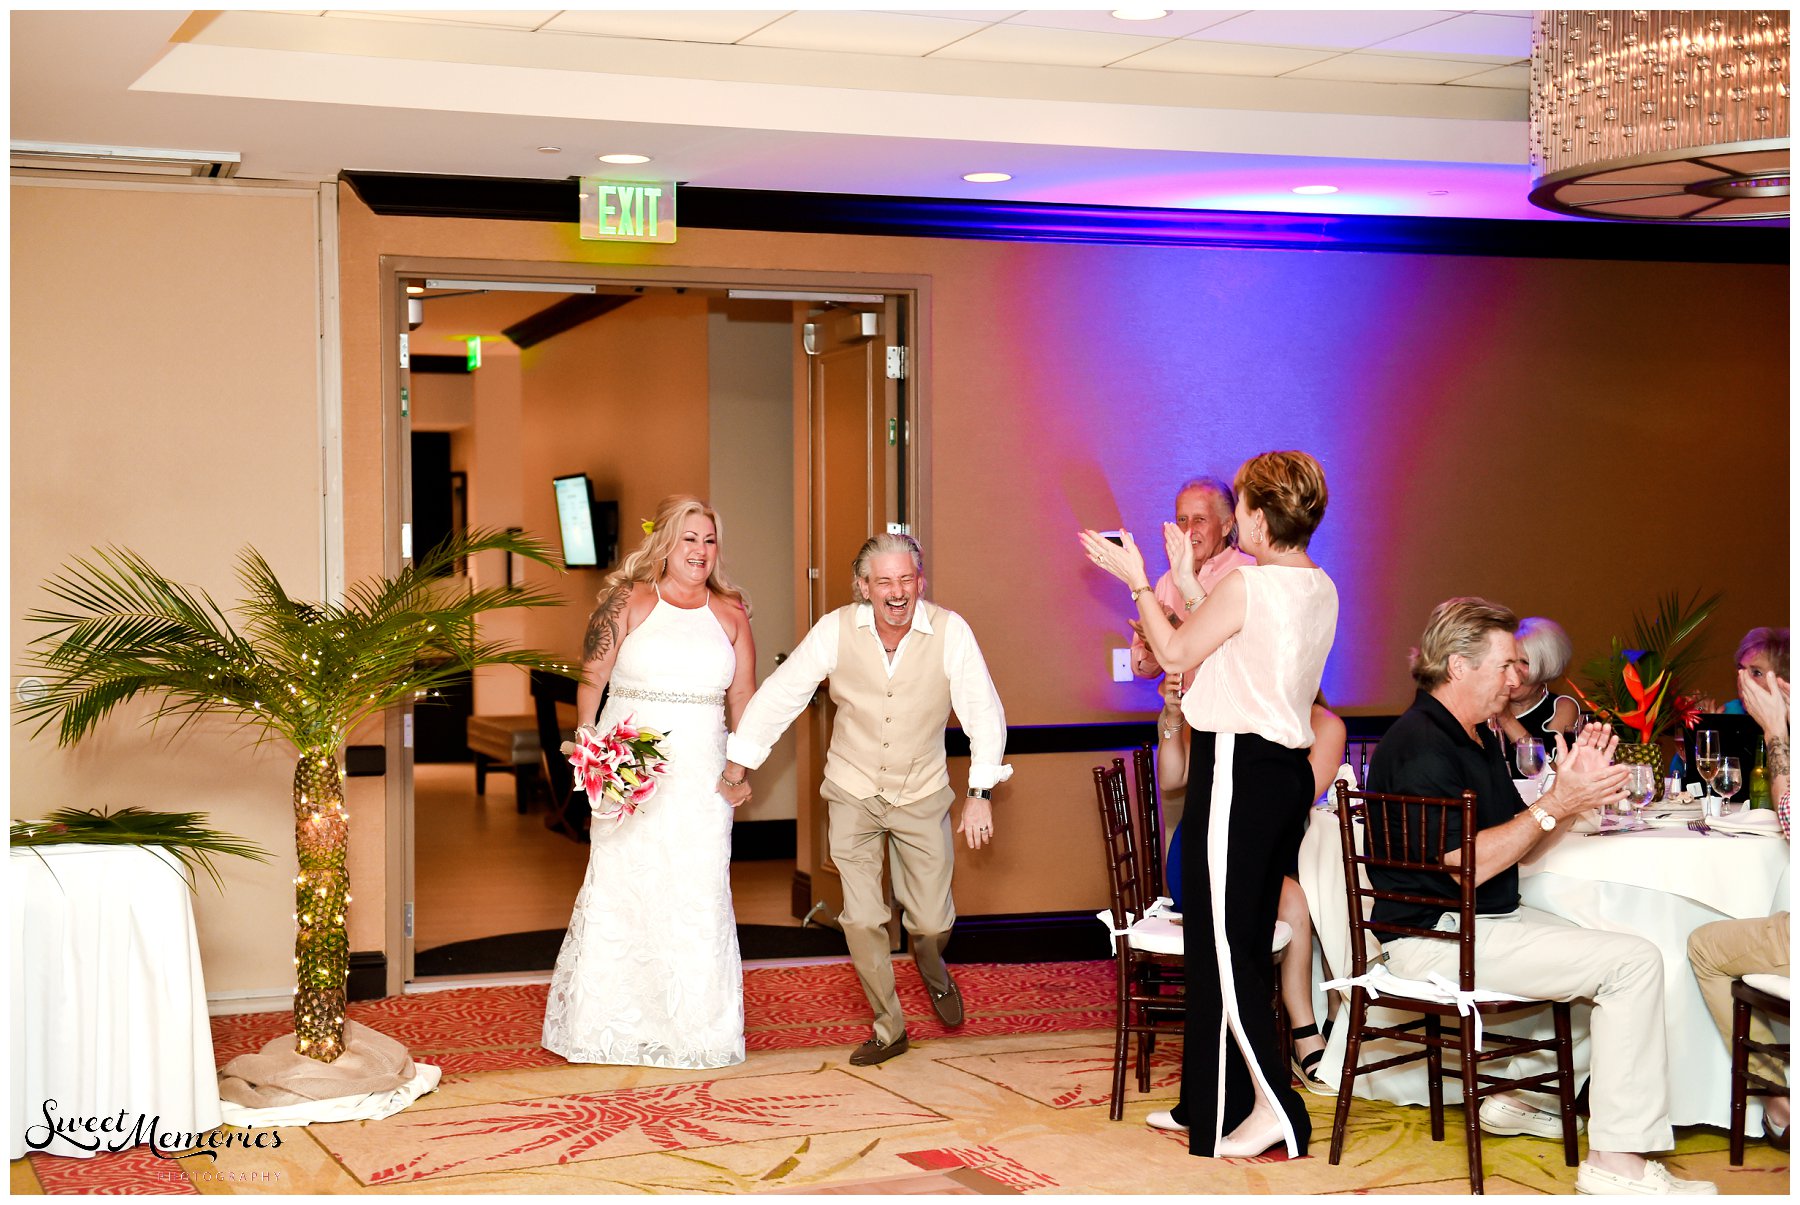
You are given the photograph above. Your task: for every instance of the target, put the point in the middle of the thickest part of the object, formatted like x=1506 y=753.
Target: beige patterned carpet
x=1015 y=1102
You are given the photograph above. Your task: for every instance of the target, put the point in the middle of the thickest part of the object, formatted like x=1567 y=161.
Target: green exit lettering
x=631 y=210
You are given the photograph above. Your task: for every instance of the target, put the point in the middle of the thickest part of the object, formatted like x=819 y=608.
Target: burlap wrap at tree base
x=278 y=1074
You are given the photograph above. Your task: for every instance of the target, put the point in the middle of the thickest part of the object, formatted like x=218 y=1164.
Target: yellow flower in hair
x=649 y=526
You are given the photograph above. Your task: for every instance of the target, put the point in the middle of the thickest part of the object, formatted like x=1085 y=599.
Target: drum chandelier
x=1674 y=116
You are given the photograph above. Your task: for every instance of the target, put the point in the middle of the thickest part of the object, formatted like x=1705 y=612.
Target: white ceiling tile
x=1469 y=33
x=860 y=33
x=507 y=19
x=986 y=16
x=1061 y=47
x=1223 y=58
x=1384 y=69
x=1332 y=29
x=670 y=25
x=1174 y=25
x=1517 y=76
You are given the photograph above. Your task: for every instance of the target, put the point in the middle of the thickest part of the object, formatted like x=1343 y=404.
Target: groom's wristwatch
x=980 y=793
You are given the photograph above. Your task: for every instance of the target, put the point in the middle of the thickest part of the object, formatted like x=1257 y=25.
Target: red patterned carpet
x=475 y=1030
x=1013 y=1102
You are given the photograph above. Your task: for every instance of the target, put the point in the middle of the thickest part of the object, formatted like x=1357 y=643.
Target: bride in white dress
x=649 y=971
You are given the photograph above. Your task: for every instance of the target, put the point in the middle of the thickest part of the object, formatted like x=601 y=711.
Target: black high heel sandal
x=1303 y=1064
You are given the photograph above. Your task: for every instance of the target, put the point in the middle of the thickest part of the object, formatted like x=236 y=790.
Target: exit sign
x=631 y=211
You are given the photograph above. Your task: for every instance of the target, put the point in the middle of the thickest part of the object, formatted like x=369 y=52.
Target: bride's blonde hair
x=650 y=560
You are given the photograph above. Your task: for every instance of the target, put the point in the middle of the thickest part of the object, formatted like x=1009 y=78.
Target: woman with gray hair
x=1532 y=710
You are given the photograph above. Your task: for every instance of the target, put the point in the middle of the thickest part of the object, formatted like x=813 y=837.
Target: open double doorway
x=789 y=401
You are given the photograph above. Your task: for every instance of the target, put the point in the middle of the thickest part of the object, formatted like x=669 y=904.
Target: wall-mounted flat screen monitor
x=589 y=530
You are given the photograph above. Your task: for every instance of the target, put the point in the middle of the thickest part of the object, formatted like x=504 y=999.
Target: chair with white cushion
x=1769 y=995
x=1147 y=944
x=1409 y=833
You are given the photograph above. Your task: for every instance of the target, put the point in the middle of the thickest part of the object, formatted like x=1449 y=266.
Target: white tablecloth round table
x=1662 y=885
x=108 y=1006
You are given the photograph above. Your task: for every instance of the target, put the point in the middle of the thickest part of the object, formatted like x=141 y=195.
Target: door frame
x=912 y=293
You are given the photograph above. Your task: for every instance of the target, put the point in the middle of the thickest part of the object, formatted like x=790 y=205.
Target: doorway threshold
x=446 y=983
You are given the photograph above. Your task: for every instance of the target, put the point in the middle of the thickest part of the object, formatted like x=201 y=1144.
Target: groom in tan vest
x=897 y=666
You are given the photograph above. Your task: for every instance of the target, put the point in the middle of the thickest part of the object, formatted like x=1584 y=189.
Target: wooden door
x=846 y=402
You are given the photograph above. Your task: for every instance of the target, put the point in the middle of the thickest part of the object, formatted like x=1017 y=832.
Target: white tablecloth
x=1662 y=885
x=108 y=1005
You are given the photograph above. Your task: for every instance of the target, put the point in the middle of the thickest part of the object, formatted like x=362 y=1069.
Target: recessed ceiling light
x=549 y=150
x=987 y=177
x=415 y=288
x=1437 y=192
x=1140 y=14
x=624 y=158
x=1316 y=190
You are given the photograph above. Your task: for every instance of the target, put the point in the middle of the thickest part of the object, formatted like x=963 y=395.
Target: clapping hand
x=1585 y=775
x=1124 y=562
x=1181 y=561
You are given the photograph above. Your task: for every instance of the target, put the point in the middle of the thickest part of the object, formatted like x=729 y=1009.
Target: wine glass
x=1706 y=755
x=1528 y=756
x=1731 y=777
x=1640 y=785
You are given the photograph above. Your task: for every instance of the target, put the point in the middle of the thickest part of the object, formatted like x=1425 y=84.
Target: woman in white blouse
x=1259 y=641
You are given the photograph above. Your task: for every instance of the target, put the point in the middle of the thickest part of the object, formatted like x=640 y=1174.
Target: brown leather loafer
x=876 y=1051
x=948 y=1006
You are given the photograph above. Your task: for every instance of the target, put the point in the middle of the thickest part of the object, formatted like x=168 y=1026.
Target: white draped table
x=109 y=1013
x=1662 y=885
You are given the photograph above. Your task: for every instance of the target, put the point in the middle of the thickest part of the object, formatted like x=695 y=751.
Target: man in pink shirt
x=1204 y=508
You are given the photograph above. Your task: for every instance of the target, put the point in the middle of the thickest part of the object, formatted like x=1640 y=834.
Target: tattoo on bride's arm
x=603 y=625
x=1778 y=756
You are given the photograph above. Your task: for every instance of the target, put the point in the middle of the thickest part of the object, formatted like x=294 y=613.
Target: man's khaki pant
x=1544 y=957
x=923 y=850
x=1729 y=949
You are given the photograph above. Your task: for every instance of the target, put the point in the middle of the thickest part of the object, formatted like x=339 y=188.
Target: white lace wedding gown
x=649 y=971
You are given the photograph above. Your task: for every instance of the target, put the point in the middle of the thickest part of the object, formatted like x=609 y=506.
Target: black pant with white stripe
x=1246 y=809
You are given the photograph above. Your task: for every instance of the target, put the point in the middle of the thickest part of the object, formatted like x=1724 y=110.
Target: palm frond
x=183 y=834
x=302 y=670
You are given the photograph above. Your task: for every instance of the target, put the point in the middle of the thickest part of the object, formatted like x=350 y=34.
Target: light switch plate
x=1121 y=665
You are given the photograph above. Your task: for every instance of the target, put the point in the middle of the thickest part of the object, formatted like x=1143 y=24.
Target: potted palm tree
x=303 y=672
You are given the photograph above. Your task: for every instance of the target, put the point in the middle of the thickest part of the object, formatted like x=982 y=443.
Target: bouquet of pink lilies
x=619 y=770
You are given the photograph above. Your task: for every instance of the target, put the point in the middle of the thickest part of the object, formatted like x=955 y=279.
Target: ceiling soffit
x=438 y=67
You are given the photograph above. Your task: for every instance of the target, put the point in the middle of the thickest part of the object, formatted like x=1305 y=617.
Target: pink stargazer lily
x=618 y=770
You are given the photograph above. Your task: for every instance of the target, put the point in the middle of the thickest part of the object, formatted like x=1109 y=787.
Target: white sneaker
x=1655 y=1182
x=1163 y=1119
x=1506 y=1119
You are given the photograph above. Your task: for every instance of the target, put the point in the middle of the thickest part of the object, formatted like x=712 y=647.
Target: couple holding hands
x=649 y=972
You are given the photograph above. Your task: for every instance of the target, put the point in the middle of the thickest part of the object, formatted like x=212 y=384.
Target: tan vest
x=887 y=738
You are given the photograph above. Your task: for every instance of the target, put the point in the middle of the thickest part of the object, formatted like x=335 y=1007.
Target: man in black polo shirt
x=1466 y=666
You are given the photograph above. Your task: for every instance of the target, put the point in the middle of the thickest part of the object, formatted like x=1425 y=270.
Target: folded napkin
x=1758 y=821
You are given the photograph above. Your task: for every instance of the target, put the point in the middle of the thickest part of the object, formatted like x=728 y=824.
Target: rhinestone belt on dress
x=668 y=696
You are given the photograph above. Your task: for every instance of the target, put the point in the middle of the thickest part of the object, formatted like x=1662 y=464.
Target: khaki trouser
x=923 y=858
x=1544 y=957
x=1729 y=949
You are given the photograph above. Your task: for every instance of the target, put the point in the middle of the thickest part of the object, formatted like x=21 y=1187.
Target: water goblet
x=1640 y=785
x=1706 y=755
x=1730 y=778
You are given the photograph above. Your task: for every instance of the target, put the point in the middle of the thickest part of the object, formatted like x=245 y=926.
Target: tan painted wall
x=623 y=399
x=165 y=398
x=1561 y=434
